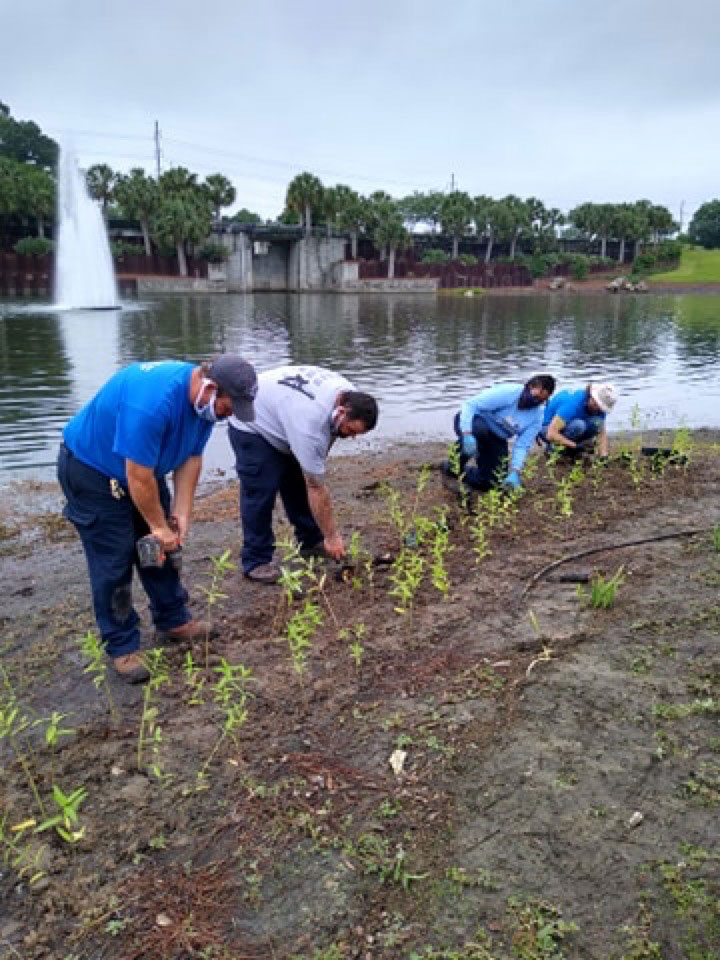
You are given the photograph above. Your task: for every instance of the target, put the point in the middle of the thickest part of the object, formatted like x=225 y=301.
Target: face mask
x=527 y=400
x=206 y=412
x=335 y=419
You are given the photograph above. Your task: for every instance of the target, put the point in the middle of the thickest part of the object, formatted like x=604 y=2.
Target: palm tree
x=390 y=232
x=352 y=214
x=101 y=180
x=36 y=194
x=181 y=218
x=456 y=216
x=305 y=195
x=139 y=196
x=220 y=191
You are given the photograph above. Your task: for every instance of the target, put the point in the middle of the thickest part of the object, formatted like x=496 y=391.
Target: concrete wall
x=397 y=285
x=312 y=261
x=180 y=285
x=239 y=266
x=270 y=270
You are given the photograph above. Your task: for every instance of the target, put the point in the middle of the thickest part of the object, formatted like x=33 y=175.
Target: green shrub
x=468 y=260
x=119 y=248
x=579 y=268
x=435 y=255
x=658 y=257
x=213 y=252
x=34 y=246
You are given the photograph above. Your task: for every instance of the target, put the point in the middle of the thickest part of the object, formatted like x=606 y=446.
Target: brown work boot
x=131 y=667
x=268 y=573
x=192 y=630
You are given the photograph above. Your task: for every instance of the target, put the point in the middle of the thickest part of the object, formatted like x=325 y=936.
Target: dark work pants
x=264 y=472
x=492 y=451
x=109 y=528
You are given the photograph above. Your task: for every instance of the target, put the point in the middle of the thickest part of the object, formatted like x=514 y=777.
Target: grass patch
x=696 y=266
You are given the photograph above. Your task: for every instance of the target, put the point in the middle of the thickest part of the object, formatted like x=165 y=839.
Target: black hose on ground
x=613 y=546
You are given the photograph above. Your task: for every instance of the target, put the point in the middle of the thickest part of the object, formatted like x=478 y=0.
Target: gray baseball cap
x=238 y=379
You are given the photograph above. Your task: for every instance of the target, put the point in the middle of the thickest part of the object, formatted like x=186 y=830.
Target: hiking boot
x=131 y=668
x=192 y=630
x=448 y=471
x=264 y=573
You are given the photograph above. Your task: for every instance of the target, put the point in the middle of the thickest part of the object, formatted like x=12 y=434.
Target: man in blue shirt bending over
x=150 y=419
x=488 y=420
x=575 y=419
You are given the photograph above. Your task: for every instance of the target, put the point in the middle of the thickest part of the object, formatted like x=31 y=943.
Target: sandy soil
x=556 y=773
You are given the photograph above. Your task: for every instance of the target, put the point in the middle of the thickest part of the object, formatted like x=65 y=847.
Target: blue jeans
x=109 y=529
x=578 y=430
x=264 y=473
x=492 y=451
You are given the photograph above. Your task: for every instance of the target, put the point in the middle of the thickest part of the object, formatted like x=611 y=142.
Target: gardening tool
x=151 y=554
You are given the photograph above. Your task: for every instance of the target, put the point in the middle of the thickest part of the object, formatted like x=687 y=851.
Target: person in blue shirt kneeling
x=148 y=420
x=487 y=421
x=575 y=419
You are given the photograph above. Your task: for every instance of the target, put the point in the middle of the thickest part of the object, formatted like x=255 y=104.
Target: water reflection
x=421 y=355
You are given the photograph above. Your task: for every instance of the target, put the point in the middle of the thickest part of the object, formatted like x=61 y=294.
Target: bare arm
x=322 y=509
x=555 y=436
x=185 y=481
x=146 y=497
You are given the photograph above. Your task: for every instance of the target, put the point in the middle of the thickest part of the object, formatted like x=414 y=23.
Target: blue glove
x=513 y=480
x=469 y=445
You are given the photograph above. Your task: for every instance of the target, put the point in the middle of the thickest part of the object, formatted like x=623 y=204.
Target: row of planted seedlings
x=423 y=545
x=42 y=806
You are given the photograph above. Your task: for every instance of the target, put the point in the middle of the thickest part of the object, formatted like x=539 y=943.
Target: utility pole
x=682 y=214
x=452 y=183
x=157 y=148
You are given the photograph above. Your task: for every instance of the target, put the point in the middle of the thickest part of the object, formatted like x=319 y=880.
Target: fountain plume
x=84 y=273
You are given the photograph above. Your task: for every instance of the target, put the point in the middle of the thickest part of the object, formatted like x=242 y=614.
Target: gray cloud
x=565 y=100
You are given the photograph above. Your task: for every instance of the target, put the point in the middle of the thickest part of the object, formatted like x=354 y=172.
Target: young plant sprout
x=602 y=591
x=97 y=667
x=221 y=566
x=150 y=732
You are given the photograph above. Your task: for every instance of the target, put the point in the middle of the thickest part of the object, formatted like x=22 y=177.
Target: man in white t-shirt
x=299 y=412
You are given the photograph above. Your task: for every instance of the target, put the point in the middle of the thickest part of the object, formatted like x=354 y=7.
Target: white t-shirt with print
x=293 y=411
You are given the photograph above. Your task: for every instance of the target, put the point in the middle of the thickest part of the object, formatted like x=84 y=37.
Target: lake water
x=420 y=355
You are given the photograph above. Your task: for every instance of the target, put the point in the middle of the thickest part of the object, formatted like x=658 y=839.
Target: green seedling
x=682 y=444
x=300 y=630
x=602 y=592
x=65 y=821
x=439 y=548
x=193 y=680
x=354 y=635
x=716 y=538
x=221 y=566
x=406 y=575
x=453 y=458
x=479 y=535
x=14 y=722
x=22 y=857
x=540 y=930
x=150 y=732
x=231 y=694
x=93 y=650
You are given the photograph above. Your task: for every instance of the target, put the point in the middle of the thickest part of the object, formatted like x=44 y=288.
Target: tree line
x=176 y=211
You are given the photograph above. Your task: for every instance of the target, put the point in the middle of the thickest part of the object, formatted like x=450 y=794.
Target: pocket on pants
x=80 y=516
x=247 y=460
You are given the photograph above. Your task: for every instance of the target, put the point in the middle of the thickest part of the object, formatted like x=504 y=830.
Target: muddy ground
x=482 y=766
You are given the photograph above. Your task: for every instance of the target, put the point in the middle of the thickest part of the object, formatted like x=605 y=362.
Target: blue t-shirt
x=499 y=408
x=571 y=405
x=143 y=413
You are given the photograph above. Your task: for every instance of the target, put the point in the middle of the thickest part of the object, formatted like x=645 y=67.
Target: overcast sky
x=566 y=100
